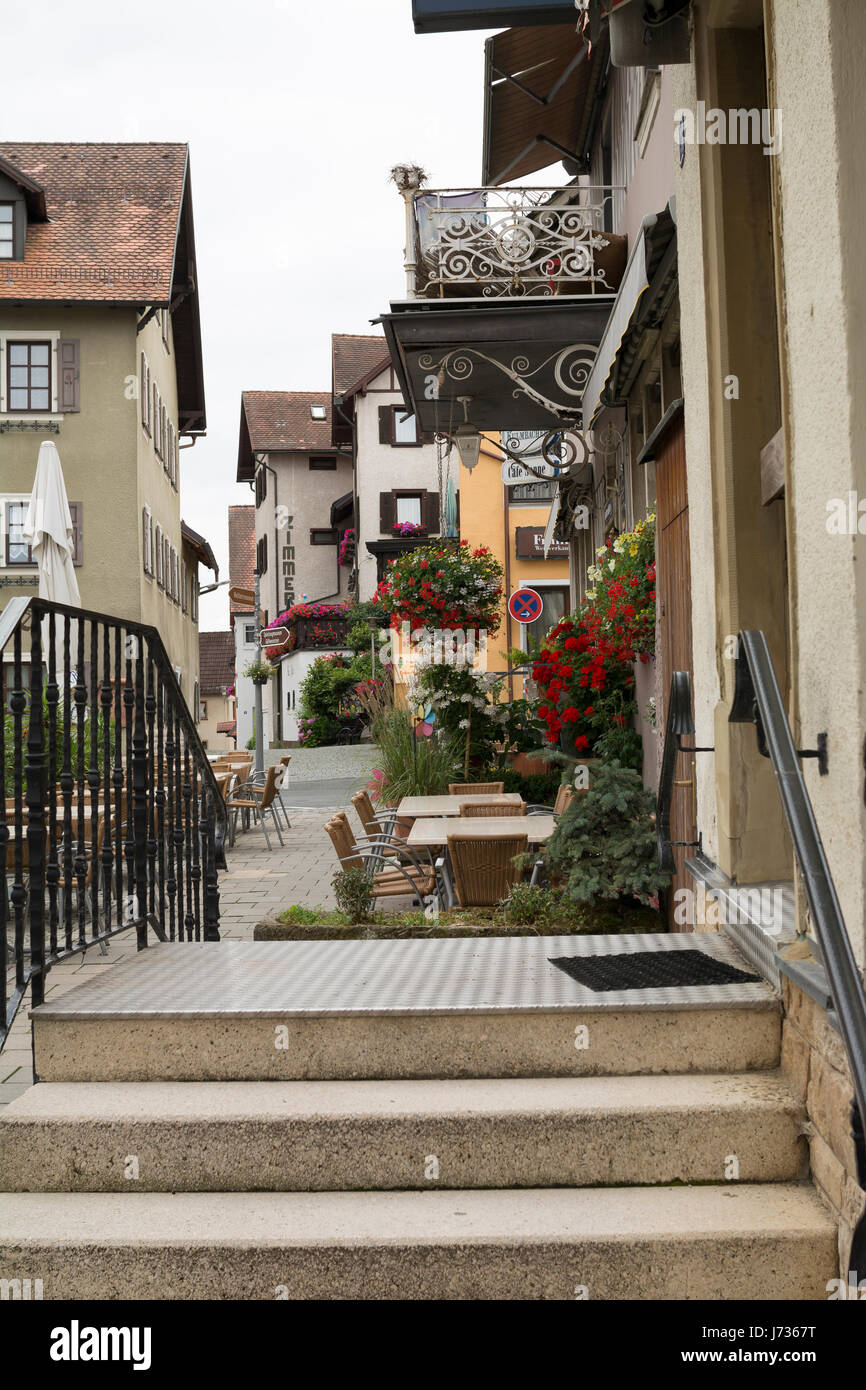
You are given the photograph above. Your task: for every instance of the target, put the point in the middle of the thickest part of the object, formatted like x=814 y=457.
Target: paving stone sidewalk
x=258 y=882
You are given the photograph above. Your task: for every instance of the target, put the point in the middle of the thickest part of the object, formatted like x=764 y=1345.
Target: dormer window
x=7 y=231
x=318 y=412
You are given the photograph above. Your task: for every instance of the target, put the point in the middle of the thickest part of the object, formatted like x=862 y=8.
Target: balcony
x=512 y=242
x=508 y=291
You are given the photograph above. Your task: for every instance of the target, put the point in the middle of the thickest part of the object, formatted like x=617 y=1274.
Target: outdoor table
x=430 y=832
x=449 y=805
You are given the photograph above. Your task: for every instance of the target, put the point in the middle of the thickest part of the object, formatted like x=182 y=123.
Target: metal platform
x=311 y=979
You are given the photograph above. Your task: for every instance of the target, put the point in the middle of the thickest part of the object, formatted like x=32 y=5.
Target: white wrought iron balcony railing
x=511 y=242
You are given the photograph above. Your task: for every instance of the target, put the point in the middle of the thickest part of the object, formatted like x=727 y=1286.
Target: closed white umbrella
x=48 y=529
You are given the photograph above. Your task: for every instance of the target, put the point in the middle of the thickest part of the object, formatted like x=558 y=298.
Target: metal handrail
x=758 y=701
x=144 y=753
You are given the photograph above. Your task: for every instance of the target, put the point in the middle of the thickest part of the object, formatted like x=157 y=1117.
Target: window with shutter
x=69 y=385
x=142 y=390
x=431 y=513
x=76 y=511
x=385 y=418
x=163 y=437
x=159 y=556
x=146 y=538
x=157 y=438
x=193 y=593
x=184 y=598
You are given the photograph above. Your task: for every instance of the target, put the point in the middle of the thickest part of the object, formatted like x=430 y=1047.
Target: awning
x=542 y=89
x=647 y=286
x=342 y=509
x=551 y=522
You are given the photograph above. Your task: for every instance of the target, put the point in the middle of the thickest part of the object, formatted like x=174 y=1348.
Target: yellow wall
x=483 y=522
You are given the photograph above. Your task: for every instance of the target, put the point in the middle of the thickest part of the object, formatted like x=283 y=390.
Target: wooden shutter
x=386 y=424
x=159 y=555
x=142 y=390
x=145 y=538
x=386 y=509
x=430 y=512
x=155 y=419
x=69 y=387
x=76 y=511
x=163 y=437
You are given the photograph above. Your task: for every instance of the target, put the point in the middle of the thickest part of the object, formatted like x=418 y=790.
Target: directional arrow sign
x=273 y=636
x=525 y=605
x=241 y=596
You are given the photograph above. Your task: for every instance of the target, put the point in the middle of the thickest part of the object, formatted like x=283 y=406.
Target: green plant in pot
x=259 y=671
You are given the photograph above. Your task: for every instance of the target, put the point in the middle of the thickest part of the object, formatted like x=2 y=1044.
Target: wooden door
x=673 y=586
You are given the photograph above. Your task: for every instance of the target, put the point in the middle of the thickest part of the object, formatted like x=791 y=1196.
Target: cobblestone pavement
x=258 y=882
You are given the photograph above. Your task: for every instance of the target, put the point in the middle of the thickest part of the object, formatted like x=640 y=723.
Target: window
x=202 y=709
x=556 y=601
x=405 y=428
x=262 y=555
x=408 y=509
x=163 y=437
x=147 y=539
x=318 y=412
x=157 y=437
x=29 y=376
x=323 y=536
x=7 y=231
x=398 y=427
x=159 y=557
x=184 y=587
x=250 y=634
x=163 y=324
x=324 y=463
x=144 y=394
x=18 y=551
x=193 y=595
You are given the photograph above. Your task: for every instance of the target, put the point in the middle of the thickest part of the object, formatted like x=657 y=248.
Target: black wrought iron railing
x=112 y=818
x=758 y=700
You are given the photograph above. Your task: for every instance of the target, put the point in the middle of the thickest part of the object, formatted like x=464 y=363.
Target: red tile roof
x=114 y=215
x=354 y=356
x=281 y=420
x=216 y=662
x=242 y=553
x=201 y=547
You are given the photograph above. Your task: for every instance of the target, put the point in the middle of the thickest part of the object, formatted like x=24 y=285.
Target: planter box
x=527 y=765
x=272 y=929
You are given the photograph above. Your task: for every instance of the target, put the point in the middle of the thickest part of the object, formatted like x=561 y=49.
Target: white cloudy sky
x=294 y=111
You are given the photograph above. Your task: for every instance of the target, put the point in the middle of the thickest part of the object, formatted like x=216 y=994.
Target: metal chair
x=411 y=875
x=485 y=871
x=564 y=798
x=259 y=801
x=476 y=788
x=492 y=808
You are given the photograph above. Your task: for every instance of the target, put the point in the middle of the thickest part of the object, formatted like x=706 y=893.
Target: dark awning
x=441 y=16
x=342 y=509
x=541 y=90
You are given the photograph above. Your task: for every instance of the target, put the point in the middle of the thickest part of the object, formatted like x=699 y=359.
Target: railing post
x=34 y=780
x=139 y=795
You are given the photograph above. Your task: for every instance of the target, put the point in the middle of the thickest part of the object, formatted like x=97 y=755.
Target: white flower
x=464 y=724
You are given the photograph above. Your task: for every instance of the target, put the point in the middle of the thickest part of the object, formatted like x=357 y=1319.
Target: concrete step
x=283 y=1136
x=751 y=1242
x=343 y=1010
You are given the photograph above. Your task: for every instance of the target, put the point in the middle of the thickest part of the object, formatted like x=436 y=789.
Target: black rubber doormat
x=650 y=970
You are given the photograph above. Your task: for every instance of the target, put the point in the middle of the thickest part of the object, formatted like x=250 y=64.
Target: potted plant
x=259 y=671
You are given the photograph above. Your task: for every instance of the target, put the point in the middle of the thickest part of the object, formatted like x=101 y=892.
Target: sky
x=294 y=111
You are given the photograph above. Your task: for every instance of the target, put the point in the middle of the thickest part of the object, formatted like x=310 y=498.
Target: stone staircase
x=408 y=1119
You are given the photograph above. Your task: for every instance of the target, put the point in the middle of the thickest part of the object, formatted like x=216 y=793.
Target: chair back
x=366 y=812
x=484 y=870
x=285 y=760
x=493 y=808
x=344 y=842
x=269 y=788
x=564 y=798
x=476 y=788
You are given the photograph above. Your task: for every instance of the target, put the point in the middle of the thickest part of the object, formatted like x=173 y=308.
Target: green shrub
x=604 y=846
x=354 y=894
x=530 y=905
x=538 y=789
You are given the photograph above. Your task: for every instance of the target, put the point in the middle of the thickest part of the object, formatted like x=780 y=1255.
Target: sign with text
x=515 y=472
x=530 y=544
x=273 y=636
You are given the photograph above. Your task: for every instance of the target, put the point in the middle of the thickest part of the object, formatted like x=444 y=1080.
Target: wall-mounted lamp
x=467 y=438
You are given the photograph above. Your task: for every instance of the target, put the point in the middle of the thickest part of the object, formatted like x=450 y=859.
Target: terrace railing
x=111 y=818
x=499 y=242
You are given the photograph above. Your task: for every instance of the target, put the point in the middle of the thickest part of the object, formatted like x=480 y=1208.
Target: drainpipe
x=261 y=461
x=508 y=629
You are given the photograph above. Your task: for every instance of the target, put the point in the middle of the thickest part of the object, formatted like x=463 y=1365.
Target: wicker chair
x=492 y=808
x=377 y=823
x=410 y=875
x=476 y=788
x=564 y=798
x=259 y=800
x=484 y=870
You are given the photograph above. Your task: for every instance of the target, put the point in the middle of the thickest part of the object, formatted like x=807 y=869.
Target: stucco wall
x=817 y=76
x=307 y=495
x=381 y=468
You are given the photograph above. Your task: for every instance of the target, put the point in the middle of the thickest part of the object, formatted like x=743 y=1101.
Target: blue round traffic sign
x=525 y=605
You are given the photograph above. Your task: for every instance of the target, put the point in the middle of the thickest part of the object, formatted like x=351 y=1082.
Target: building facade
x=100 y=351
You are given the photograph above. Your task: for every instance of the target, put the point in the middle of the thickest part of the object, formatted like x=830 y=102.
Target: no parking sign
x=525 y=605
